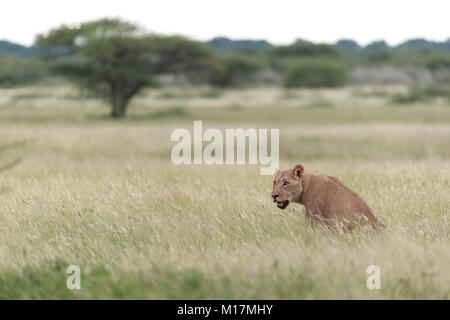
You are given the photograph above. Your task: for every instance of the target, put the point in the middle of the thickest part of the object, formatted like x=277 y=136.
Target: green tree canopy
x=116 y=59
x=181 y=56
x=109 y=56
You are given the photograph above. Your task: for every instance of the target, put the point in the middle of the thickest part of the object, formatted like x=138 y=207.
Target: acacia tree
x=110 y=57
x=115 y=59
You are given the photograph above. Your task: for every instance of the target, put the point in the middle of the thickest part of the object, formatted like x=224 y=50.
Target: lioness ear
x=297 y=171
x=276 y=173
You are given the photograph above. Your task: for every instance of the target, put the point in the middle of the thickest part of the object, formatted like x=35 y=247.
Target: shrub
x=21 y=71
x=422 y=94
x=316 y=73
x=430 y=59
x=233 y=71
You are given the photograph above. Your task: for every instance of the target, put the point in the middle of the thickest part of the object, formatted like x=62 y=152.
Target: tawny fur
x=325 y=198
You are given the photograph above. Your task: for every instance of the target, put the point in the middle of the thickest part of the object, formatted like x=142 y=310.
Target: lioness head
x=287 y=186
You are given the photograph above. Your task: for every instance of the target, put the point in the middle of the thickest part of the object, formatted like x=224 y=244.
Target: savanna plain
x=104 y=195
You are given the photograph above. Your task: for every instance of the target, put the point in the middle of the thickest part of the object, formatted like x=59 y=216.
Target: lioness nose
x=274 y=196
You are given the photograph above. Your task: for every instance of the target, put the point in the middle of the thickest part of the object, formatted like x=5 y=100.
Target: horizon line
x=361 y=44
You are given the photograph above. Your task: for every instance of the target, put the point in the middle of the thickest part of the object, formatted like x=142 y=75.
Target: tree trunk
x=120 y=97
x=118 y=107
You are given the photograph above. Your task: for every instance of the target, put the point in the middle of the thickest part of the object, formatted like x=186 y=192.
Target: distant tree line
x=115 y=59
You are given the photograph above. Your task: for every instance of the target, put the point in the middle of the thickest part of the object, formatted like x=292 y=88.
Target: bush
x=430 y=59
x=422 y=94
x=21 y=71
x=316 y=73
x=438 y=60
x=233 y=71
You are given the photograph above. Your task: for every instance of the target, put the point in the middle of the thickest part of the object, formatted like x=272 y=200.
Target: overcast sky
x=278 y=21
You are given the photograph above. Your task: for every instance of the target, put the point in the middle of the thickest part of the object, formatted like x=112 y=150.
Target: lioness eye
x=285 y=183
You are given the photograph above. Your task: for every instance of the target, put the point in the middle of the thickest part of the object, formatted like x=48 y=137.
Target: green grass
x=313 y=114
x=155 y=283
x=103 y=195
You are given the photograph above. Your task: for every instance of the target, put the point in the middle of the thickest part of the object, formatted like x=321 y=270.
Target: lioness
x=325 y=198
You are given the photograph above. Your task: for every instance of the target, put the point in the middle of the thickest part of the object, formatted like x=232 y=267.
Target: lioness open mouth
x=282 y=204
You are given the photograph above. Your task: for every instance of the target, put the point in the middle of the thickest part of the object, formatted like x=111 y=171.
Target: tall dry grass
x=105 y=196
